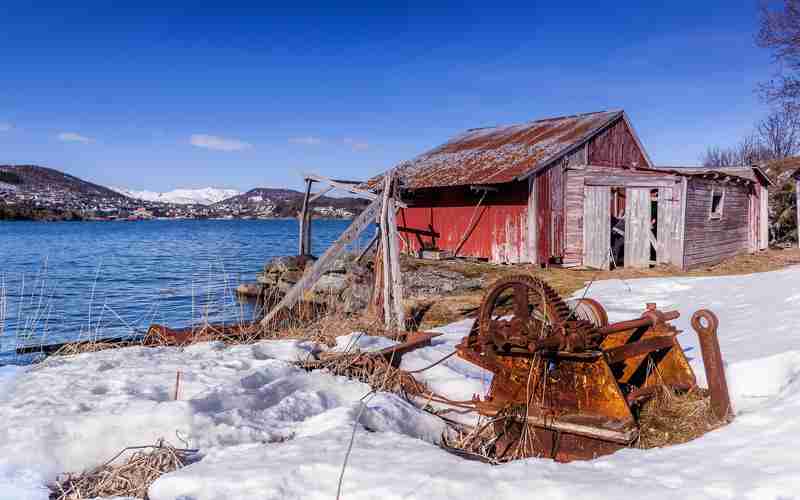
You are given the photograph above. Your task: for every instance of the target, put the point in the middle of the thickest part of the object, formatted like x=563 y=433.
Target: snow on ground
x=271 y=431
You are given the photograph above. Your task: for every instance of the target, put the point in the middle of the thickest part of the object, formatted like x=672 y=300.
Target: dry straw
x=131 y=479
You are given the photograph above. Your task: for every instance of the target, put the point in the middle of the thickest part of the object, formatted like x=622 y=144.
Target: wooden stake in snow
x=177 y=384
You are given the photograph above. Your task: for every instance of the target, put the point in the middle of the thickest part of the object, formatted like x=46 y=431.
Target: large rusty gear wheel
x=521 y=315
x=537 y=311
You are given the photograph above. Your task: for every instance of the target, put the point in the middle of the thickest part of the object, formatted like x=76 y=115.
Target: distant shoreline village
x=34 y=193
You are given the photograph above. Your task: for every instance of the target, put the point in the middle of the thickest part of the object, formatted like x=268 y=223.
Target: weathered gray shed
x=687 y=217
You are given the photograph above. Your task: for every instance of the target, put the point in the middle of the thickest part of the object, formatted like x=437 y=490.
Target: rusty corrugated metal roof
x=495 y=155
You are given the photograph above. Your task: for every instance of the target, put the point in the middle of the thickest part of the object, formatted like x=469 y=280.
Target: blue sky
x=189 y=95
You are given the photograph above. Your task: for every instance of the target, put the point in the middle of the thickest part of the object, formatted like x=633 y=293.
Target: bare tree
x=749 y=151
x=780 y=132
x=780 y=33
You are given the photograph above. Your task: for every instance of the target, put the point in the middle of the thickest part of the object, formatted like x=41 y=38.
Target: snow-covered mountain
x=205 y=196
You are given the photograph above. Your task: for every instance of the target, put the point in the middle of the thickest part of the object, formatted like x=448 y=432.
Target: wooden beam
x=309 y=279
x=397 y=277
x=321 y=194
x=348 y=187
x=418 y=232
x=304 y=223
x=369 y=245
x=387 y=268
x=484 y=188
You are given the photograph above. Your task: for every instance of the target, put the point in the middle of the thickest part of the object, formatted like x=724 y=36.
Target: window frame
x=712 y=214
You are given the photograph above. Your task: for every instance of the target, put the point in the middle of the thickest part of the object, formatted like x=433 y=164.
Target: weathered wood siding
x=597 y=235
x=709 y=240
x=573 y=240
x=637 y=227
x=496 y=231
x=615 y=147
x=549 y=199
x=670 y=227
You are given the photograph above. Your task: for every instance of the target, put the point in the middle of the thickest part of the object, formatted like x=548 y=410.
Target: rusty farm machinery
x=568 y=385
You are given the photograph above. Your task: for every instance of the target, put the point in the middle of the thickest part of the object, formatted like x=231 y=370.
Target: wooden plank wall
x=637 y=227
x=573 y=239
x=597 y=235
x=615 y=147
x=495 y=230
x=709 y=241
x=670 y=206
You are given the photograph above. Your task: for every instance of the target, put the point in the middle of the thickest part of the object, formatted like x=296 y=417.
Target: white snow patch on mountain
x=204 y=196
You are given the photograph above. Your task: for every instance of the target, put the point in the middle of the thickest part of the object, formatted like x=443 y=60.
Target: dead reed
x=670 y=418
x=130 y=479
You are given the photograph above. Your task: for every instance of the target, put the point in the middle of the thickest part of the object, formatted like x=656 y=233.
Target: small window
x=717 y=201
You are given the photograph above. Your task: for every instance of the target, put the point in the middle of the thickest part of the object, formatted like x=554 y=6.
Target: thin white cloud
x=218 y=143
x=308 y=140
x=5 y=126
x=356 y=145
x=73 y=137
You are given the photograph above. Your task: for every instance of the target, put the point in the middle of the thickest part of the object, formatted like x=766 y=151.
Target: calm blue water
x=70 y=280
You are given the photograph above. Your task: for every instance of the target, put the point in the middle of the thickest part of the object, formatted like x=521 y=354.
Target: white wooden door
x=597 y=227
x=637 y=227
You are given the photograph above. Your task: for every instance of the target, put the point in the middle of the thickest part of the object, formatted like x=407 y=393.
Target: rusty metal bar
x=705 y=323
x=623 y=352
x=644 y=322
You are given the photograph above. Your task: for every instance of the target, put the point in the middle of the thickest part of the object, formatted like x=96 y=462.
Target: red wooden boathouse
x=546 y=192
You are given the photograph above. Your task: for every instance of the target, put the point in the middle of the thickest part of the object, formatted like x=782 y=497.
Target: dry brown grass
x=671 y=418
x=130 y=479
x=450 y=308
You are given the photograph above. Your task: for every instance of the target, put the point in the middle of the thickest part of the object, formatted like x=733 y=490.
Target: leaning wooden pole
x=305 y=223
x=310 y=278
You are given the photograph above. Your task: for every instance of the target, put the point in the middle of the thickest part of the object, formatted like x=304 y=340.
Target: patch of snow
x=204 y=196
x=269 y=430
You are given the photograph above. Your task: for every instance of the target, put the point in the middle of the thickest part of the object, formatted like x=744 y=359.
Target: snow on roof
x=494 y=155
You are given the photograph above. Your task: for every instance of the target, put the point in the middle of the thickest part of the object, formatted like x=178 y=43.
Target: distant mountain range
x=204 y=196
x=276 y=202
x=34 y=192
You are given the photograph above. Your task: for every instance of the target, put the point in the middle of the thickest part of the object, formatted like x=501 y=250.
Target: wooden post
x=385 y=243
x=397 y=276
x=391 y=286
x=305 y=223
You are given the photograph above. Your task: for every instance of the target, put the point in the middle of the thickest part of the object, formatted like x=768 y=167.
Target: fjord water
x=69 y=280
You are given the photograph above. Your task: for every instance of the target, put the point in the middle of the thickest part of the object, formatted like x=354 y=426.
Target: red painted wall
x=497 y=230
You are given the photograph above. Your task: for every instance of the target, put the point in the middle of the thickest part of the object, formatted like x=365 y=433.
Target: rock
x=358 y=291
x=342 y=263
x=330 y=284
x=280 y=265
x=430 y=281
x=249 y=289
